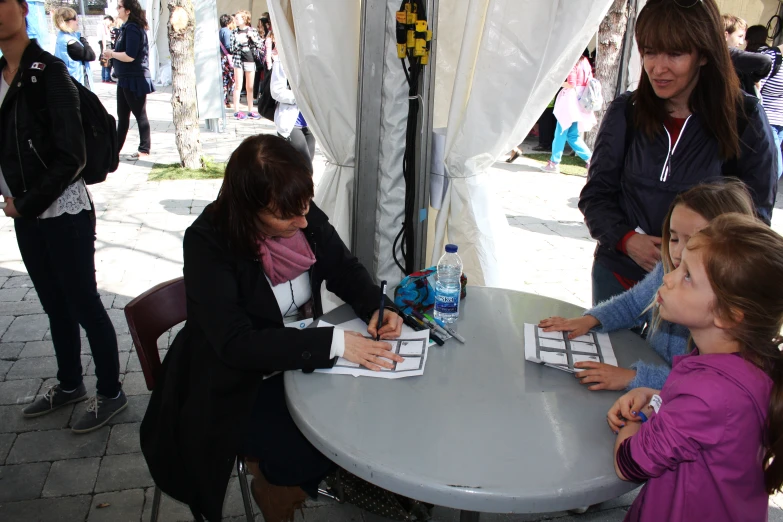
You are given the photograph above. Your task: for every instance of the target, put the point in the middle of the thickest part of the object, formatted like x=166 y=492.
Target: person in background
x=226 y=59
x=71 y=47
x=771 y=86
x=575 y=119
x=546 y=133
x=260 y=58
x=131 y=56
x=244 y=42
x=690 y=212
x=42 y=154
x=254 y=261
x=106 y=42
x=707 y=445
x=289 y=121
x=751 y=67
x=271 y=49
x=688 y=122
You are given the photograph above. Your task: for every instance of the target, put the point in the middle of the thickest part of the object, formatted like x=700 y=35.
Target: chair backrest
x=151 y=314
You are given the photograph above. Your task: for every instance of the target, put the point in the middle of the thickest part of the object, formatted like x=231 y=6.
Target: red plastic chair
x=149 y=316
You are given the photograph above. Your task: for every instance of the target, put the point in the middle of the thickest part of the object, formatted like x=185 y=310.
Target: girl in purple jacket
x=707 y=443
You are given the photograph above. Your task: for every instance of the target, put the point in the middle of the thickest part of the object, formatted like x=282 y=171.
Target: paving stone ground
x=49 y=474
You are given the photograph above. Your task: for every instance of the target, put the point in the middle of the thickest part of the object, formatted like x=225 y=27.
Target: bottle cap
x=451 y=249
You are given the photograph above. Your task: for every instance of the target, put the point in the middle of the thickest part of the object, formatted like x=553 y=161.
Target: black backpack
x=100 y=137
x=100 y=127
x=266 y=104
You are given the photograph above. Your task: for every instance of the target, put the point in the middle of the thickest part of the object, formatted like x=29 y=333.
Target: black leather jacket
x=42 y=147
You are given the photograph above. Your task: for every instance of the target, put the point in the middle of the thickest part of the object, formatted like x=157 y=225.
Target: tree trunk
x=182 y=25
x=608 y=56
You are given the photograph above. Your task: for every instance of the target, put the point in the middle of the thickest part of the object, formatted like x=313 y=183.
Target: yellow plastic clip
x=402 y=17
x=411 y=39
x=424 y=60
x=401 y=51
x=421 y=47
x=421 y=26
x=429 y=36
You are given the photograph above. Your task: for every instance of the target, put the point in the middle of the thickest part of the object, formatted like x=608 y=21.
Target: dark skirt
x=286 y=457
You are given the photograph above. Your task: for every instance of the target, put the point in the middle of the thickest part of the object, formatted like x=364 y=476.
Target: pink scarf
x=285 y=259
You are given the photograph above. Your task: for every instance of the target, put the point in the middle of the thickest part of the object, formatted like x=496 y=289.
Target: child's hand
x=578 y=326
x=625 y=407
x=604 y=376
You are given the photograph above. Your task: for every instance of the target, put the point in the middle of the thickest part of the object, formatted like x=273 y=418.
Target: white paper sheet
x=555 y=350
x=411 y=345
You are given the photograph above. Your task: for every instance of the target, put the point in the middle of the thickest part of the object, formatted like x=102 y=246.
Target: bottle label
x=447 y=304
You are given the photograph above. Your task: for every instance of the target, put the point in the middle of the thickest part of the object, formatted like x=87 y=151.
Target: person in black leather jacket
x=687 y=123
x=42 y=152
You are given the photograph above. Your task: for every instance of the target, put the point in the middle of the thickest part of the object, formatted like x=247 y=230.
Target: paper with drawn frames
x=556 y=350
x=412 y=346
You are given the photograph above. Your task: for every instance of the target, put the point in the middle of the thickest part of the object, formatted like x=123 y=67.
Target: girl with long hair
x=245 y=41
x=708 y=443
x=687 y=123
x=131 y=55
x=690 y=212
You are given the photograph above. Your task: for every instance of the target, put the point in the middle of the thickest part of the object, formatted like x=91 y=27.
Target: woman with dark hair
x=688 y=122
x=42 y=154
x=254 y=261
x=771 y=86
x=131 y=65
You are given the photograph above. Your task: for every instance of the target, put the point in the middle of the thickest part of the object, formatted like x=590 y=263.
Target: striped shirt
x=772 y=92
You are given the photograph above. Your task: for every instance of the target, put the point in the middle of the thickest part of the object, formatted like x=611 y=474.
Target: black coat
x=42 y=147
x=196 y=418
x=624 y=188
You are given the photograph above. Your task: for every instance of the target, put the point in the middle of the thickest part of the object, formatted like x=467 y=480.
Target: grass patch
x=173 y=171
x=570 y=165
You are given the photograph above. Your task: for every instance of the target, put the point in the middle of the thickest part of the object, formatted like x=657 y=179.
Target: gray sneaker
x=99 y=410
x=53 y=399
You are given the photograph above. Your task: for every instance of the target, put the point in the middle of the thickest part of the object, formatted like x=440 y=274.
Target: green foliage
x=569 y=165
x=173 y=171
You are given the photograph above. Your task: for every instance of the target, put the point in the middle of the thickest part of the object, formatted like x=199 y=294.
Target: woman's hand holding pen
x=373 y=355
x=391 y=327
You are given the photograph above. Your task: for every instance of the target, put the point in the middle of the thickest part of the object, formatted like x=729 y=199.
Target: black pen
x=407 y=319
x=380 y=310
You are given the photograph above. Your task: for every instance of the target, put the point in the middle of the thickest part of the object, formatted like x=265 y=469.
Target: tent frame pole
x=368 y=132
x=424 y=145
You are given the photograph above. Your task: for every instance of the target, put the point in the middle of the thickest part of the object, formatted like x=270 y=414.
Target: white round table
x=482 y=430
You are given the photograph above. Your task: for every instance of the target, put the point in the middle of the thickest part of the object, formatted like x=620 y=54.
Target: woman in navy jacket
x=687 y=123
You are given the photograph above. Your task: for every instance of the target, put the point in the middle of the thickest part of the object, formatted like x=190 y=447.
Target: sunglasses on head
x=69 y=19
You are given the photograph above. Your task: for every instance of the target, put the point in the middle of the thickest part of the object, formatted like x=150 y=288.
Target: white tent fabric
x=323 y=70
x=496 y=59
x=391 y=183
x=153 y=20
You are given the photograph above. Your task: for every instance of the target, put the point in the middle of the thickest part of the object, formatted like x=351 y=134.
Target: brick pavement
x=49 y=474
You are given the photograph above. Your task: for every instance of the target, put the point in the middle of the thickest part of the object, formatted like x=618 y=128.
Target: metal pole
x=424 y=145
x=368 y=131
x=84 y=13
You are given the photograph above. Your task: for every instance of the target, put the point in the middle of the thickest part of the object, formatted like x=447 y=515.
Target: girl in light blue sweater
x=690 y=212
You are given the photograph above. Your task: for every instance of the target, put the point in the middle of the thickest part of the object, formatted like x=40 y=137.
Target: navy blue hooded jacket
x=626 y=191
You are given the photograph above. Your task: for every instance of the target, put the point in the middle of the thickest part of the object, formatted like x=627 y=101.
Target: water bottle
x=447 y=286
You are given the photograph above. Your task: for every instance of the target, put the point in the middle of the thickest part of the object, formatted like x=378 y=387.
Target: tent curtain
x=496 y=59
x=323 y=70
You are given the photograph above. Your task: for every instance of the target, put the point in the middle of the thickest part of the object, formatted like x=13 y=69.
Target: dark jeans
x=127 y=103
x=106 y=74
x=286 y=457
x=546 y=128
x=605 y=284
x=303 y=141
x=59 y=254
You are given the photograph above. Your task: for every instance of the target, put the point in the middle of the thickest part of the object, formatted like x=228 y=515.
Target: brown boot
x=277 y=503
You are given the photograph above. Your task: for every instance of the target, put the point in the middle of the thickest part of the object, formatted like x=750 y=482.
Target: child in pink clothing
x=705 y=443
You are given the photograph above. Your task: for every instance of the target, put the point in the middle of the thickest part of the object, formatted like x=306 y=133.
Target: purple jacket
x=703 y=450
